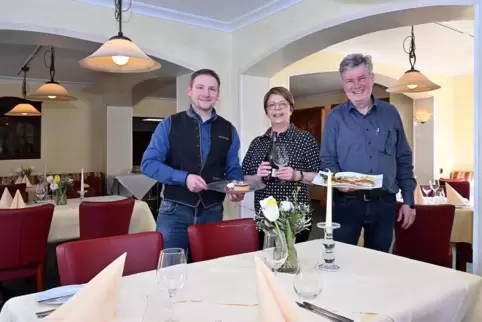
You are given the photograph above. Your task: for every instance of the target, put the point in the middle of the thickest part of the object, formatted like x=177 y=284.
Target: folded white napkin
x=17 y=201
x=453 y=197
x=57 y=292
x=26 y=181
x=97 y=300
x=6 y=200
x=273 y=304
x=19 y=180
x=419 y=199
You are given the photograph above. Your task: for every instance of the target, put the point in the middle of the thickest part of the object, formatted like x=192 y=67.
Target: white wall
x=404 y=105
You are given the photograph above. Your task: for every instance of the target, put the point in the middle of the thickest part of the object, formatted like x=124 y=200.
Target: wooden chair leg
x=40 y=277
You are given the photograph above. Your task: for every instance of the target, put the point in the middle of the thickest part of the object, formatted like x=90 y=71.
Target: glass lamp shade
x=23 y=109
x=120 y=55
x=52 y=91
x=422 y=116
x=413 y=81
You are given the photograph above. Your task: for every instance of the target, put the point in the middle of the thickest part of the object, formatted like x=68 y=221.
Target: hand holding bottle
x=264 y=170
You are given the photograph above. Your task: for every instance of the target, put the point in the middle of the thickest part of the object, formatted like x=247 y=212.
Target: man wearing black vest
x=187 y=151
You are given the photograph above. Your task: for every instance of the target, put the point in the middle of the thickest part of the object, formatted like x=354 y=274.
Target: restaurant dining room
x=91 y=91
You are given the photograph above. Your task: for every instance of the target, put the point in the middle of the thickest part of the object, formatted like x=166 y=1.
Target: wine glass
x=41 y=191
x=426 y=190
x=434 y=185
x=280 y=155
x=275 y=250
x=172 y=273
x=308 y=283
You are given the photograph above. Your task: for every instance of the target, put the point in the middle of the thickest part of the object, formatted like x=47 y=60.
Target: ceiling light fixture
x=119 y=54
x=52 y=90
x=413 y=81
x=24 y=109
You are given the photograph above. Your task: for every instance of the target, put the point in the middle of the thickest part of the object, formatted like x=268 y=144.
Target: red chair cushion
x=105 y=218
x=23 y=236
x=230 y=237
x=80 y=261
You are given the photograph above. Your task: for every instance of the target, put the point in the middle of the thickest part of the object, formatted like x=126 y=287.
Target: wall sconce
x=422 y=115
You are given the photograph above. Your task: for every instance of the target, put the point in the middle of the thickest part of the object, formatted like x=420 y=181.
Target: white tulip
x=54 y=186
x=50 y=179
x=270 y=208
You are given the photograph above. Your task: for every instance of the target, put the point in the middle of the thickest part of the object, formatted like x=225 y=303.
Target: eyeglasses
x=280 y=105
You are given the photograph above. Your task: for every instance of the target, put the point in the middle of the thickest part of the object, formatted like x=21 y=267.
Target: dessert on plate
x=237 y=186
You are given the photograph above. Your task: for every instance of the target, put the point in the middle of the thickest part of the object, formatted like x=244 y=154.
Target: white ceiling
x=223 y=15
x=440 y=50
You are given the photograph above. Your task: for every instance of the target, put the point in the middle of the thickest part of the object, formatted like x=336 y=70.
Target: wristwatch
x=412 y=206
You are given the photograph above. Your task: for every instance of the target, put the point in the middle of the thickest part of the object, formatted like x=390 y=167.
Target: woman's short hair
x=282 y=91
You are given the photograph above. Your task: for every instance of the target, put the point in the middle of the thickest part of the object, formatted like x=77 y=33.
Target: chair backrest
x=23 y=236
x=105 y=218
x=461 y=186
x=428 y=239
x=79 y=261
x=230 y=237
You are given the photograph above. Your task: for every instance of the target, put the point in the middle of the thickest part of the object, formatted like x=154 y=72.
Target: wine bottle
x=269 y=157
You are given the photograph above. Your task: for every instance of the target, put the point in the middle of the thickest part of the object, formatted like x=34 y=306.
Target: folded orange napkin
x=273 y=304
x=6 y=200
x=97 y=300
x=453 y=197
x=17 y=201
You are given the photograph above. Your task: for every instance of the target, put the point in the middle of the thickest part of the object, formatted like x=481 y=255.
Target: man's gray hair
x=354 y=60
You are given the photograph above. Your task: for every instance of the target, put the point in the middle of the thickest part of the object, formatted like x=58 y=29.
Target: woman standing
x=301 y=147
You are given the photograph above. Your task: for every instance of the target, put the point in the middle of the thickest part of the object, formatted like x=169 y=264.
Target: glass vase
x=61 y=198
x=291 y=265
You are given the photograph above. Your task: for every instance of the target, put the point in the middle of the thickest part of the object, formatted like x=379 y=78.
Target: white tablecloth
x=65 y=222
x=395 y=288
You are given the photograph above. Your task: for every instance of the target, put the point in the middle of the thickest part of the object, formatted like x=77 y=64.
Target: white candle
x=329 y=200
x=82 y=181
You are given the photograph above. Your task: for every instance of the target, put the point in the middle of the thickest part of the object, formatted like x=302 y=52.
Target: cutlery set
x=325 y=313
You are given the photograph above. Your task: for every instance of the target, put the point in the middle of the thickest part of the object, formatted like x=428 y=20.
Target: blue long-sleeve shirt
x=153 y=159
x=371 y=144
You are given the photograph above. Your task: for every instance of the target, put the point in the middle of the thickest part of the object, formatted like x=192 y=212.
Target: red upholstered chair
x=461 y=186
x=80 y=261
x=224 y=238
x=105 y=218
x=23 y=239
x=428 y=239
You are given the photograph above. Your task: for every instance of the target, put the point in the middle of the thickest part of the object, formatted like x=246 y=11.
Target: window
x=19 y=135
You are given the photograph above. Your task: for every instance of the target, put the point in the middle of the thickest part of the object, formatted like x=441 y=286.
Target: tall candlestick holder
x=82 y=194
x=327 y=260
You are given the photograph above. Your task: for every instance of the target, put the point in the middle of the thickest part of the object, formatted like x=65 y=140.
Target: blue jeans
x=174 y=219
x=376 y=216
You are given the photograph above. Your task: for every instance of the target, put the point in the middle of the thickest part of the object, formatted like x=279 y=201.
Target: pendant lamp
x=119 y=54
x=24 y=109
x=413 y=81
x=52 y=91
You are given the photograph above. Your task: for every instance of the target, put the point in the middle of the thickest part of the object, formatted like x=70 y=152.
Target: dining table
x=369 y=286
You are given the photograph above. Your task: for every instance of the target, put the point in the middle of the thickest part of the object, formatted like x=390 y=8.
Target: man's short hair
x=205 y=71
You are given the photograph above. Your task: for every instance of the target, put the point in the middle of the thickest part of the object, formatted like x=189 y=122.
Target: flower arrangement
x=24 y=171
x=60 y=185
x=288 y=217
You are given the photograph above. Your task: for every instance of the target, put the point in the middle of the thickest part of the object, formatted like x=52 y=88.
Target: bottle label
x=273 y=172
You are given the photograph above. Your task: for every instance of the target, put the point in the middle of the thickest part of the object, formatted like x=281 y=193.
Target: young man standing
x=187 y=151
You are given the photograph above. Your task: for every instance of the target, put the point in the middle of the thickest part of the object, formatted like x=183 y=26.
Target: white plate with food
x=352 y=180
x=236 y=186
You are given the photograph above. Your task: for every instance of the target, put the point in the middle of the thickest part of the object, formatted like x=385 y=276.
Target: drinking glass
x=434 y=185
x=275 y=250
x=172 y=273
x=280 y=155
x=426 y=190
x=41 y=191
x=308 y=283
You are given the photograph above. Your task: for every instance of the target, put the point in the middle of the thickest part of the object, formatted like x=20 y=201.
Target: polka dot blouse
x=304 y=155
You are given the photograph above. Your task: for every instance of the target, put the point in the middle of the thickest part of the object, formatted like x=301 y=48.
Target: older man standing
x=366 y=135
